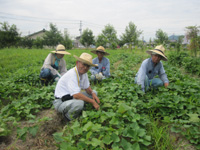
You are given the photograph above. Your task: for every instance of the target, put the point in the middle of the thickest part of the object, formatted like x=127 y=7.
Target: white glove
x=56 y=79
x=99 y=76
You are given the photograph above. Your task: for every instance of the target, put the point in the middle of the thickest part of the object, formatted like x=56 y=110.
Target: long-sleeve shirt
x=148 y=68
x=49 y=62
x=103 y=66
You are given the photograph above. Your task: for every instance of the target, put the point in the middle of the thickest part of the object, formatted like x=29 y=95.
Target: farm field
x=128 y=119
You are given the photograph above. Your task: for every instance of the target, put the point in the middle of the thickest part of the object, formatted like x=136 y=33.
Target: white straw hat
x=158 y=50
x=60 y=49
x=100 y=49
x=86 y=58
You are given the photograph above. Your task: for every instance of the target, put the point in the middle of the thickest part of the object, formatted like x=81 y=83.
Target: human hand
x=56 y=79
x=95 y=105
x=95 y=98
x=166 y=85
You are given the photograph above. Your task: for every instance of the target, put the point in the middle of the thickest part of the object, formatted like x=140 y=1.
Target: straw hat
x=60 y=49
x=158 y=50
x=86 y=58
x=100 y=49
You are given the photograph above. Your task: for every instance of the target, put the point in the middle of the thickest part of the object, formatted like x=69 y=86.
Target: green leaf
x=84 y=114
x=123 y=108
x=107 y=139
x=88 y=126
x=115 y=137
x=194 y=118
x=22 y=133
x=67 y=146
x=95 y=142
x=126 y=145
x=33 y=130
x=114 y=121
x=58 y=137
x=136 y=146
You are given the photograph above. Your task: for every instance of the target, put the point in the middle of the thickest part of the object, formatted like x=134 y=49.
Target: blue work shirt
x=103 y=66
x=148 y=69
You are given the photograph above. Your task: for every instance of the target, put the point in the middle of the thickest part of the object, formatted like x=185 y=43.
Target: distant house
x=173 y=38
x=37 y=34
x=77 y=43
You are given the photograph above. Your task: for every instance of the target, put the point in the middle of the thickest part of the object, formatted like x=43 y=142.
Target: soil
x=44 y=137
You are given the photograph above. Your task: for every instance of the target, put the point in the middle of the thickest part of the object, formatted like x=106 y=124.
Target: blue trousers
x=46 y=76
x=154 y=83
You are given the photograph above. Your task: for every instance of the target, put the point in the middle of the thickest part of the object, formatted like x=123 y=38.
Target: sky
x=171 y=16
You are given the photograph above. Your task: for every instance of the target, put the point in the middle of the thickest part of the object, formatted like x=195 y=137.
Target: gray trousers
x=71 y=108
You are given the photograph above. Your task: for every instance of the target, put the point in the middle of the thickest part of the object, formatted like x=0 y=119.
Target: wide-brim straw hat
x=86 y=58
x=60 y=49
x=100 y=49
x=158 y=50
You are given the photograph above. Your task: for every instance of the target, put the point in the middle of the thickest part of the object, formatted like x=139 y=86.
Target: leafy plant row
x=127 y=115
x=182 y=59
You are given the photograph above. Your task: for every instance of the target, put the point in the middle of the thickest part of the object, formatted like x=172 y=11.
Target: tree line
x=10 y=37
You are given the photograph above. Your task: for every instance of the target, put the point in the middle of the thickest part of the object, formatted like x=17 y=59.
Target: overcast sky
x=172 y=16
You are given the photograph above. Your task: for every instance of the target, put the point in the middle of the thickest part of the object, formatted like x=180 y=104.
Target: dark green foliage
x=87 y=38
x=182 y=59
x=9 y=35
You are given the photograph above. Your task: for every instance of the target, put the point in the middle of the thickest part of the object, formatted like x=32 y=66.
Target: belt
x=65 y=97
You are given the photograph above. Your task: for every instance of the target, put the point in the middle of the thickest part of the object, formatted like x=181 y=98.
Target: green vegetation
x=127 y=119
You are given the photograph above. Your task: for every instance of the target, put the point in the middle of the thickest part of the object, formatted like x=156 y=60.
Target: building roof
x=41 y=31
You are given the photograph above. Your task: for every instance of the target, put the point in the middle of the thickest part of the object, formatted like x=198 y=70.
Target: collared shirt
x=50 y=61
x=148 y=68
x=68 y=83
x=103 y=66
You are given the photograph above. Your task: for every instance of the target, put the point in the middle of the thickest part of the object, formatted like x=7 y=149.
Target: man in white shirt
x=69 y=99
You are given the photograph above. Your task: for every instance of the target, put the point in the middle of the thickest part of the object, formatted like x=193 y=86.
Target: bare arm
x=86 y=99
x=94 y=96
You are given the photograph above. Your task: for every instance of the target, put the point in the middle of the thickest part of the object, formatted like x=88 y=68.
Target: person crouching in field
x=69 y=99
x=53 y=64
x=150 y=68
x=103 y=69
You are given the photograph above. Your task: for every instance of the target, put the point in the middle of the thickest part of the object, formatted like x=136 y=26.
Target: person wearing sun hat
x=54 y=65
x=150 y=68
x=69 y=97
x=103 y=69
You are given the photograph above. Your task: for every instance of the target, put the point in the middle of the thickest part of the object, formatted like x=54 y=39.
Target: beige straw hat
x=86 y=58
x=158 y=50
x=100 y=49
x=60 y=49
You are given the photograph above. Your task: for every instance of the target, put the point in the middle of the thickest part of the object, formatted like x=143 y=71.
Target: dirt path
x=44 y=137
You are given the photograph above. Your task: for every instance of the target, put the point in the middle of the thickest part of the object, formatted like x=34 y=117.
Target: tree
x=67 y=42
x=108 y=37
x=87 y=37
x=9 y=35
x=26 y=42
x=38 y=43
x=161 y=37
x=101 y=40
x=131 y=35
x=52 y=37
x=193 y=35
x=179 y=43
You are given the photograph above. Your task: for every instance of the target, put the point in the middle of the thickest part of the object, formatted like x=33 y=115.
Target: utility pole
x=80 y=28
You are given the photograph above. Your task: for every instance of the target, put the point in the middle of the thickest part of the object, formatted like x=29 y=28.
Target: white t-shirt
x=68 y=83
